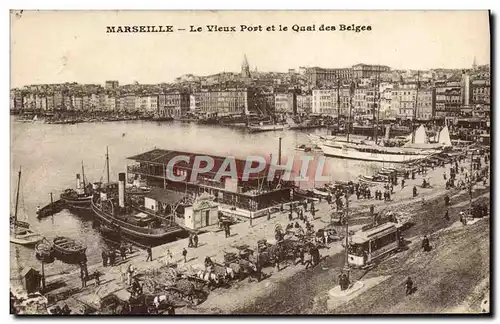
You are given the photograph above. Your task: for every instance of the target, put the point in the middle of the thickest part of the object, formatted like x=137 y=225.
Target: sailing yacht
x=20 y=232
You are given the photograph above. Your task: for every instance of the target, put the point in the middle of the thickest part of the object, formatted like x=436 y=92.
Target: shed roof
x=165 y=196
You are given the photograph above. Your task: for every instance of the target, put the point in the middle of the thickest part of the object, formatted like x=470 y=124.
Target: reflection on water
x=51 y=155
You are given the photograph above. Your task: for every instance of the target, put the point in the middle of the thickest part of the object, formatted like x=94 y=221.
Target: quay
x=214 y=244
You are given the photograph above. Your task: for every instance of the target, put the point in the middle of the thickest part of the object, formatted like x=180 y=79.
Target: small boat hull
x=26 y=239
x=69 y=250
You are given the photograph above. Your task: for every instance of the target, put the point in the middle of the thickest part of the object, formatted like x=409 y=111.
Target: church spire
x=245 y=68
x=474 y=65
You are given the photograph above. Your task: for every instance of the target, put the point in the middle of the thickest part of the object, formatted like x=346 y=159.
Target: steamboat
x=112 y=208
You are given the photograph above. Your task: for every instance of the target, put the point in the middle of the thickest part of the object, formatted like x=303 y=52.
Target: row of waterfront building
x=363 y=90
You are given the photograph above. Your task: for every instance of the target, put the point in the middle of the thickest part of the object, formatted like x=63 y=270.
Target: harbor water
x=51 y=155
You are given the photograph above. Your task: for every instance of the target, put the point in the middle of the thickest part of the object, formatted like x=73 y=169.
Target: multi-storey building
x=50 y=102
x=426 y=104
x=67 y=103
x=227 y=101
x=174 y=104
x=77 y=102
x=403 y=100
x=365 y=70
x=322 y=101
x=130 y=102
x=406 y=97
x=111 y=85
x=364 y=102
x=109 y=102
x=481 y=98
x=304 y=104
x=448 y=99
x=86 y=102
x=285 y=103
x=318 y=77
x=58 y=100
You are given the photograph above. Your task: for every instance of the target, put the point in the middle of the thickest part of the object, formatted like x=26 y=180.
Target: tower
x=245 y=68
x=474 y=65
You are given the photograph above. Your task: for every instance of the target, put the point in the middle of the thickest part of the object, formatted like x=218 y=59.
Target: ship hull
x=136 y=232
x=353 y=154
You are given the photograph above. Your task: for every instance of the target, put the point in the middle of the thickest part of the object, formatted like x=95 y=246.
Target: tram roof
x=361 y=237
x=162 y=157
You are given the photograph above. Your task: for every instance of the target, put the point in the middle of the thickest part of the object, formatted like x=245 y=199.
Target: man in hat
x=425 y=244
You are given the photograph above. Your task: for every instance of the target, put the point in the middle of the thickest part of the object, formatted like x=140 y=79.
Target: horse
x=210 y=277
x=224 y=272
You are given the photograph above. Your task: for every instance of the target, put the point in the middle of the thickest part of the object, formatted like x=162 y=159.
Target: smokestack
x=121 y=189
x=78 y=182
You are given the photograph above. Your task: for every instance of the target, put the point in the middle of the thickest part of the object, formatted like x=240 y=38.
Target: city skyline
x=42 y=51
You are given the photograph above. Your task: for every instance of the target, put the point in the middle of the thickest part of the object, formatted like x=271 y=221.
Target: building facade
x=448 y=99
x=304 y=104
x=285 y=103
x=318 y=77
x=366 y=71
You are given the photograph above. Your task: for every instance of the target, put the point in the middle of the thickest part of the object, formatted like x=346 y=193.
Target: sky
x=73 y=46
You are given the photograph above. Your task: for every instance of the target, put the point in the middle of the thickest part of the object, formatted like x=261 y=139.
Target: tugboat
x=20 y=232
x=112 y=209
x=78 y=199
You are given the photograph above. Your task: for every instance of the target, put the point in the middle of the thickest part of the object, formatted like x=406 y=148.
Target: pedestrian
x=169 y=258
x=444 y=175
x=195 y=240
x=413 y=175
x=229 y=230
x=123 y=251
x=150 y=254
x=290 y=216
x=97 y=276
x=372 y=210
x=104 y=255
x=111 y=256
x=446 y=215
x=269 y=214
x=409 y=286
x=402 y=183
x=190 y=240
x=130 y=274
x=82 y=277
x=446 y=200
x=414 y=191
x=184 y=254
x=425 y=244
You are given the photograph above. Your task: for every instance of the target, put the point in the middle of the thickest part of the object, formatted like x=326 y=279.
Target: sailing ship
x=20 y=232
x=374 y=152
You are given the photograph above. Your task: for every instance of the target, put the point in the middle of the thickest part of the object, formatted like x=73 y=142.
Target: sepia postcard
x=250 y=162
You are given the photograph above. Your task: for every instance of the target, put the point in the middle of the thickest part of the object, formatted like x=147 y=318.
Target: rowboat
x=68 y=249
x=45 y=252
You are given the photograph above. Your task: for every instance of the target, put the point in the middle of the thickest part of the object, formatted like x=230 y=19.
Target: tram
x=368 y=246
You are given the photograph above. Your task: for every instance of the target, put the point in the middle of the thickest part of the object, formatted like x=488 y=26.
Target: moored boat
x=45 y=252
x=112 y=210
x=50 y=209
x=20 y=232
x=68 y=249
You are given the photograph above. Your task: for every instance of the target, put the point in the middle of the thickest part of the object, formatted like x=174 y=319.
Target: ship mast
x=376 y=95
x=338 y=104
x=107 y=163
x=415 y=110
x=351 y=94
x=17 y=195
x=83 y=177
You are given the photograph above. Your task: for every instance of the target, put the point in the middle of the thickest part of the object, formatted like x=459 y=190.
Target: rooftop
x=163 y=157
